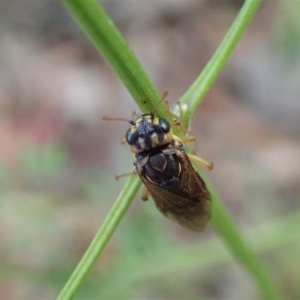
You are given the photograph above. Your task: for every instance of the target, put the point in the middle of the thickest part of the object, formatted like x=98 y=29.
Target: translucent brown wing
x=184 y=199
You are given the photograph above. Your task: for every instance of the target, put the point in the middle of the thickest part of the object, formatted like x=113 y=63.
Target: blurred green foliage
x=46 y=162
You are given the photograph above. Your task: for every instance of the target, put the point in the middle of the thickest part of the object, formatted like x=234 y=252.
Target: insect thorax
x=160 y=166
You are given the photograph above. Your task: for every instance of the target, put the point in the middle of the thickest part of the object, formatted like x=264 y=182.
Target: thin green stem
x=226 y=228
x=101 y=239
x=190 y=101
x=95 y=22
x=100 y=28
x=194 y=96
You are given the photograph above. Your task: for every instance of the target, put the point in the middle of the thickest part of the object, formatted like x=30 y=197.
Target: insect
x=166 y=170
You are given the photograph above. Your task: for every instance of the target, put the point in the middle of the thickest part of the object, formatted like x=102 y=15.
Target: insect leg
x=145 y=195
x=201 y=161
x=117 y=177
x=185 y=139
x=123 y=140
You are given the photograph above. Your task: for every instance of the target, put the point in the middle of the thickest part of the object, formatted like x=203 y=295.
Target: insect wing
x=185 y=200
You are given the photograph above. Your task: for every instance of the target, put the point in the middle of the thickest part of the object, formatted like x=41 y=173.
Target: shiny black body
x=177 y=189
x=159 y=167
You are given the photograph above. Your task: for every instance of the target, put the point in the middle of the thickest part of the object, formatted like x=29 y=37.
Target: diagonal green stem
x=95 y=22
x=101 y=30
x=102 y=237
x=227 y=229
x=221 y=219
x=194 y=96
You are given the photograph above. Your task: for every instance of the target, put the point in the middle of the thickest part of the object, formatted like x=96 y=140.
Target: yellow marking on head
x=141 y=142
x=168 y=137
x=155 y=121
x=154 y=139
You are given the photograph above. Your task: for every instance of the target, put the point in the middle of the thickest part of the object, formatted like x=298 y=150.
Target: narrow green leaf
x=194 y=96
x=95 y=22
x=100 y=28
x=102 y=237
x=227 y=229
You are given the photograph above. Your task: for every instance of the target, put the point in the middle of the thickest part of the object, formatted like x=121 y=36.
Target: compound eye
x=164 y=125
x=129 y=136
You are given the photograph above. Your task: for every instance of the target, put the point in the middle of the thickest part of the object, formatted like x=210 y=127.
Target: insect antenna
x=106 y=118
x=163 y=99
x=201 y=161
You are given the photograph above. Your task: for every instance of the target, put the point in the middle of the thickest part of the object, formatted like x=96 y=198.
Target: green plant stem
x=190 y=101
x=221 y=219
x=194 y=96
x=95 y=22
x=102 y=237
x=227 y=229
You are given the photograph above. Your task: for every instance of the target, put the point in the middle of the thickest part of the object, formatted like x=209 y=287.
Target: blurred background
x=58 y=158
